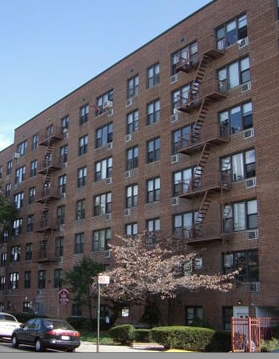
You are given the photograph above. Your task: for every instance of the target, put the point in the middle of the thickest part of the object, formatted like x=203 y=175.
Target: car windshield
x=7 y=317
x=58 y=324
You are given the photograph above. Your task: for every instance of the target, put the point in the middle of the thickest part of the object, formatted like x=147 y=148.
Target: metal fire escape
x=47 y=222
x=200 y=141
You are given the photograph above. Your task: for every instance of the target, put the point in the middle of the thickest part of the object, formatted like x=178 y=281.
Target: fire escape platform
x=188 y=150
x=201 y=190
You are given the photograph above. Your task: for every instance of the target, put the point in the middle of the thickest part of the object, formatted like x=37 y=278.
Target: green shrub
x=183 y=337
x=221 y=342
x=123 y=334
x=142 y=335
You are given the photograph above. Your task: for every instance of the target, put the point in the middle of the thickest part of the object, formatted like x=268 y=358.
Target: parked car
x=43 y=333
x=8 y=323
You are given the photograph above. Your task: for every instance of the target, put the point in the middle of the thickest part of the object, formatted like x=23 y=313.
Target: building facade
x=180 y=138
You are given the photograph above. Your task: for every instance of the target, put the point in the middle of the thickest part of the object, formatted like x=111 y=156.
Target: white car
x=8 y=323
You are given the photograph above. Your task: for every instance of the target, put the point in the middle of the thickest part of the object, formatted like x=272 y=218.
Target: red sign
x=64 y=296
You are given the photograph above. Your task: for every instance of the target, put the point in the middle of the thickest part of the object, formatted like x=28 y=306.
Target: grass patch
x=89 y=336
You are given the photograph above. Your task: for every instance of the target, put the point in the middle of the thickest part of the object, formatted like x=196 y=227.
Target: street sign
x=103 y=279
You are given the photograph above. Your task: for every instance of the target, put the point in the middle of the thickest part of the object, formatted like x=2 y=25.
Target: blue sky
x=49 y=48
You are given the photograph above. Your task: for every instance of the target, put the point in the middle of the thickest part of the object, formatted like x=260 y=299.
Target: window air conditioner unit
x=15 y=186
x=127 y=174
x=173 y=78
x=248 y=133
x=242 y=42
x=107 y=216
x=16 y=155
x=253 y=234
x=129 y=102
x=128 y=137
x=175 y=158
x=109 y=180
x=107 y=104
x=107 y=254
x=254 y=287
x=174 y=117
x=246 y=87
x=127 y=212
x=110 y=112
x=250 y=182
x=174 y=201
x=109 y=145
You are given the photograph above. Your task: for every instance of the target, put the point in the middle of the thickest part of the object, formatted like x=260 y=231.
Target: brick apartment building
x=179 y=137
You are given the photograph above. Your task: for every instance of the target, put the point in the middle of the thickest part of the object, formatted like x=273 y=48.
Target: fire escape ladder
x=203 y=110
x=205 y=203
x=201 y=69
x=205 y=152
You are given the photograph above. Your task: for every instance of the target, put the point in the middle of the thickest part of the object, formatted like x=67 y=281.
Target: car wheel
x=38 y=346
x=71 y=350
x=14 y=342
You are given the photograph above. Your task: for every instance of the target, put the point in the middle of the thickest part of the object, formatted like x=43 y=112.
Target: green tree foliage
x=7 y=213
x=82 y=282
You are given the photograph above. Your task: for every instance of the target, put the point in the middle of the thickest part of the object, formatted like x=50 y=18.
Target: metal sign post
x=101 y=280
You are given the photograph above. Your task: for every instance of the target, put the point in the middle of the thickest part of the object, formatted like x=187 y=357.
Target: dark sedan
x=43 y=333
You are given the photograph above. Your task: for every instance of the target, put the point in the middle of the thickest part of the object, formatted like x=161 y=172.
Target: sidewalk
x=88 y=347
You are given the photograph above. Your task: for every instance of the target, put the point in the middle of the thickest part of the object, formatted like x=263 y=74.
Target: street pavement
x=88 y=347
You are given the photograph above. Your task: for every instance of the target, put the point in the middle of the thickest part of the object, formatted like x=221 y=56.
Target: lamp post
x=102 y=279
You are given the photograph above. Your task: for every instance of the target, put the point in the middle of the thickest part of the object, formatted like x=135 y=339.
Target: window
x=153 y=150
x=192 y=266
x=238 y=118
x=80 y=209
x=132 y=193
x=35 y=140
x=18 y=200
x=180 y=96
x=57 y=280
x=229 y=33
x=9 y=167
x=82 y=145
x=227 y=317
x=31 y=195
x=3 y=259
x=132 y=158
x=100 y=239
x=186 y=54
x=241 y=165
x=27 y=279
x=193 y=313
x=30 y=223
x=104 y=135
x=277 y=3
x=153 y=75
x=62 y=183
x=184 y=224
x=1 y=172
x=131 y=229
x=103 y=169
x=246 y=262
x=21 y=148
x=153 y=112
x=17 y=227
x=79 y=243
x=153 y=227
x=83 y=114
x=102 y=204
x=28 y=251
x=82 y=173
x=65 y=123
x=41 y=279
x=133 y=87
x=13 y=280
x=132 y=121
x=49 y=131
x=181 y=138
x=101 y=100
x=33 y=168
x=61 y=214
x=64 y=153
x=2 y=283
x=15 y=254
x=236 y=73
x=59 y=246
x=242 y=215
x=8 y=190
x=20 y=175
x=153 y=190
x=76 y=310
